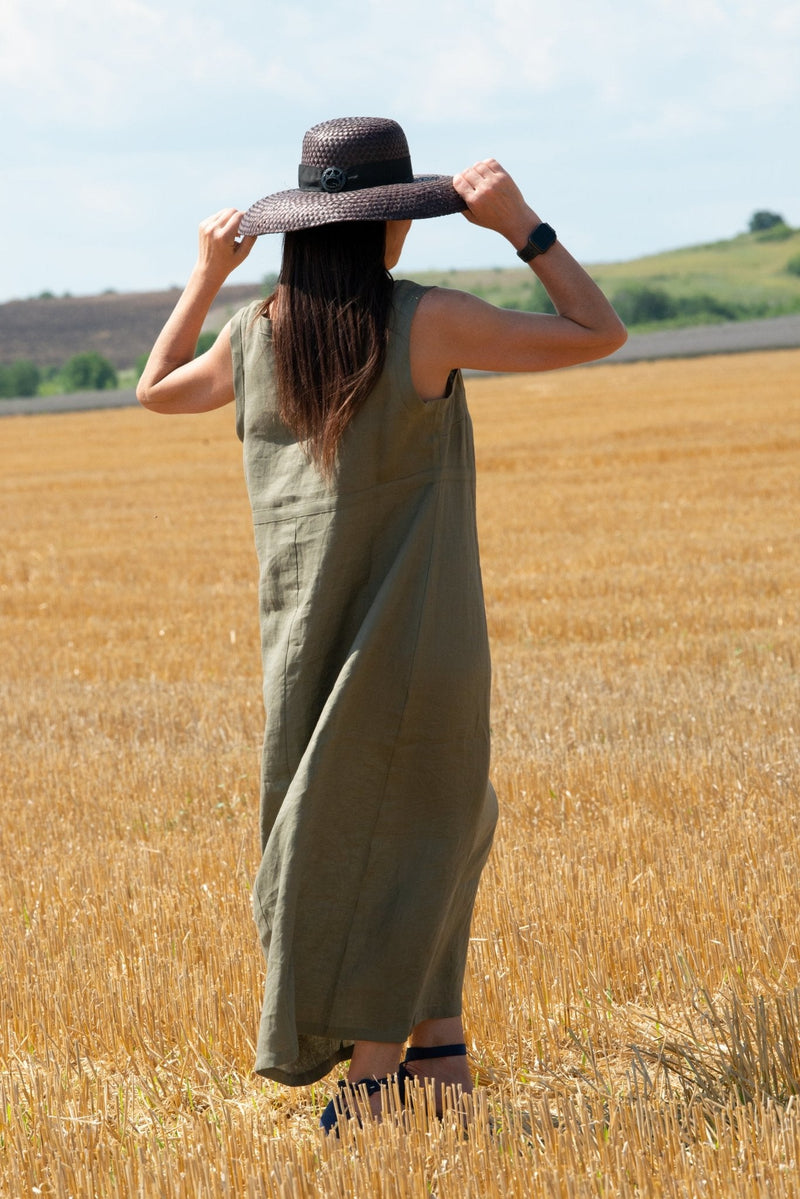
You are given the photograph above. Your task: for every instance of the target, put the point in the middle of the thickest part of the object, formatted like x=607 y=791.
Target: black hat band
x=355 y=178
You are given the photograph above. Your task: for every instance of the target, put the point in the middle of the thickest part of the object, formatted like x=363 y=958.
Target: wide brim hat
x=353 y=169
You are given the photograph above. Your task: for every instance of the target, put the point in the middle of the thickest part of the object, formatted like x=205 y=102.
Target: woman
x=376 y=810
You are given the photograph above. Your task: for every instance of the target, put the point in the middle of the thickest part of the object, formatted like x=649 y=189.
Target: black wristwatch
x=539 y=242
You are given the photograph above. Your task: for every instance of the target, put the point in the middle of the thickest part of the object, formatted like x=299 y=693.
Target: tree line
x=83 y=372
x=88 y=371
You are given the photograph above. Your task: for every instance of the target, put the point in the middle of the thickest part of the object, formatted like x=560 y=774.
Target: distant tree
x=20 y=378
x=204 y=342
x=705 y=308
x=25 y=377
x=641 y=305
x=763 y=219
x=89 y=372
x=141 y=363
x=532 y=298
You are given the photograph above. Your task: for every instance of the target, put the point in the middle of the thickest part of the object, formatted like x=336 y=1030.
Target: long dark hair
x=330 y=314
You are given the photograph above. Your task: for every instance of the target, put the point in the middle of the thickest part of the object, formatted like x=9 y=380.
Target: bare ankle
x=374 y=1059
x=430 y=1033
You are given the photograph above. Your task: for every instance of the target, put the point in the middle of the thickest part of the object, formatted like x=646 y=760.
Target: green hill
x=743 y=278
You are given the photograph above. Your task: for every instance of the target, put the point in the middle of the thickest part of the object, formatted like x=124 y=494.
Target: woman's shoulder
x=443 y=307
x=430 y=301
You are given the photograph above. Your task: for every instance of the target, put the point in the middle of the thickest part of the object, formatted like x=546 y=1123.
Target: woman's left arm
x=173 y=380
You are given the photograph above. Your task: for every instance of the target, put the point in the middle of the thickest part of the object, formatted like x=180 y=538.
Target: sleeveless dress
x=377 y=815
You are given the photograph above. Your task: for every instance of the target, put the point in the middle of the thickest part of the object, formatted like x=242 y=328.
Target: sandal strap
x=373 y=1085
x=416 y=1053
x=338 y=1107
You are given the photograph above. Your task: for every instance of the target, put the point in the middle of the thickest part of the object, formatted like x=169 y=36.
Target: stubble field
x=633 y=996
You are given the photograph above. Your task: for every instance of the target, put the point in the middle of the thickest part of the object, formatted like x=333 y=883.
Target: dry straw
x=632 y=996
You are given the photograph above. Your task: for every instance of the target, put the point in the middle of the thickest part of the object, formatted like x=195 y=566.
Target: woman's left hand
x=495 y=202
x=221 y=248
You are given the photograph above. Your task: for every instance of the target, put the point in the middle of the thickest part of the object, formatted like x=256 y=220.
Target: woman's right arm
x=459 y=330
x=174 y=381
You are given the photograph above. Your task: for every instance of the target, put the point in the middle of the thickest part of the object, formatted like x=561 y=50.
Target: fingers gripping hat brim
x=353 y=169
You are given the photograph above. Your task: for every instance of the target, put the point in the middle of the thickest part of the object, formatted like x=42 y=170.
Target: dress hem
x=277 y=1073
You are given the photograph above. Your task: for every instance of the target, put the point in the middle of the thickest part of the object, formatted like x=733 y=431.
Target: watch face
x=539 y=240
x=542 y=237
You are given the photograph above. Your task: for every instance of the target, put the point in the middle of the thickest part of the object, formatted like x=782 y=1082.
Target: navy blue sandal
x=338 y=1107
x=421 y=1053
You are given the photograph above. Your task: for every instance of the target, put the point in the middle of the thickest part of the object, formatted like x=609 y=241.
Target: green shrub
x=204 y=342
x=793 y=265
x=705 y=305
x=641 y=305
x=532 y=297
x=779 y=232
x=19 y=379
x=88 y=372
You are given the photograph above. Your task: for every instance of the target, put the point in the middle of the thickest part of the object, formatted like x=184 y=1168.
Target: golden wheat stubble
x=638 y=529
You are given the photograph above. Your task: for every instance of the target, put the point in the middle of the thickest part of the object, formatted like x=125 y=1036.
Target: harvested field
x=633 y=998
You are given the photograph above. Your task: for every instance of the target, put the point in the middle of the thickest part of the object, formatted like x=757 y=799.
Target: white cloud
x=99 y=67
x=103 y=67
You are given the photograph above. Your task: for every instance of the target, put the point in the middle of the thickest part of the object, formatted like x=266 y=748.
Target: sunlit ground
x=632 y=1001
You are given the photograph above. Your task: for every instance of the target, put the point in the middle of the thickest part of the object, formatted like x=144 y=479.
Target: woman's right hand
x=173 y=379
x=221 y=249
x=495 y=202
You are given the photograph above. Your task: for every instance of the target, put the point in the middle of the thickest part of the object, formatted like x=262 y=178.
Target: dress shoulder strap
x=406 y=297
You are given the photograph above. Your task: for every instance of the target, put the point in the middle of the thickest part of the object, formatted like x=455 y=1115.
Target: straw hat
x=353 y=169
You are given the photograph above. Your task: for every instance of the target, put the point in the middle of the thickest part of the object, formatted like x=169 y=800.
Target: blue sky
x=632 y=126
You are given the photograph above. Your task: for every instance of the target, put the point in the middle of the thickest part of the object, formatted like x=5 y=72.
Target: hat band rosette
x=355 y=178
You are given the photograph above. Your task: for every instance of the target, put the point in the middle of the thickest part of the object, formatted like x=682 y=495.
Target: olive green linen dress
x=376 y=810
